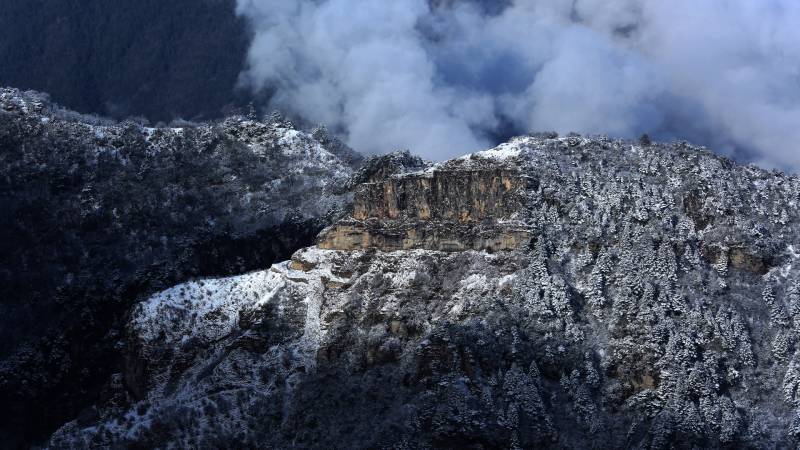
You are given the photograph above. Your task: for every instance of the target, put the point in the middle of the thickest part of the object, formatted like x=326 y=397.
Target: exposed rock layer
x=457 y=195
x=458 y=208
x=430 y=235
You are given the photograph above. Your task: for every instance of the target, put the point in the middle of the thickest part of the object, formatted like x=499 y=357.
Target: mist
x=446 y=77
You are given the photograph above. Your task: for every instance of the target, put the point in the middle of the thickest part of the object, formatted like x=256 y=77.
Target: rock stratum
x=452 y=207
x=550 y=293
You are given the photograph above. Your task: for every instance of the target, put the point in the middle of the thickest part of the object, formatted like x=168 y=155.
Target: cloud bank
x=446 y=77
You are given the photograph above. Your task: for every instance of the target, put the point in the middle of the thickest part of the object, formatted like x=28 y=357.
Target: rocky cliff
x=463 y=205
x=652 y=300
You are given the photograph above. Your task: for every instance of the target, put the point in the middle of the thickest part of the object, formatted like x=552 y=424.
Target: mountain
x=549 y=293
x=98 y=215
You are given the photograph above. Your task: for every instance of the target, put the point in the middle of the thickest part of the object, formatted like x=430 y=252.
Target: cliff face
x=354 y=235
x=453 y=194
x=462 y=206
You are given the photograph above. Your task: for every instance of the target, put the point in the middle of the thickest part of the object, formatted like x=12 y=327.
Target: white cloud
x=439 y=81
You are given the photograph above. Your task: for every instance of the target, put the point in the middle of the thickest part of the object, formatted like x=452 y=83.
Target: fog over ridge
x=445 y=77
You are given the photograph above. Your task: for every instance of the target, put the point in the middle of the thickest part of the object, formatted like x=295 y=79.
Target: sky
x=447 y=77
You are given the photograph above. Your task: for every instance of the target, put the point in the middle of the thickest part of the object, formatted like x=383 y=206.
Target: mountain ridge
x=654 y=305
x=100 y=213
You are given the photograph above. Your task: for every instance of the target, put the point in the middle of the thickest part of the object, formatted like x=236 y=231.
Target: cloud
x=446 y=77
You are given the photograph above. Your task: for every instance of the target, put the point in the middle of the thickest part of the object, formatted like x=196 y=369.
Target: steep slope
x=651 y=299
x=98 y=214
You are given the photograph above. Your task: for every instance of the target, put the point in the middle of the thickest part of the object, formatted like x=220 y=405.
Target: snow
x=209 y=310
x=502 y=152
x=321 y=260
x=206 y=309
x=290 y=142
x=786 y=270
x=307 y=154
x=475 y=281
x=505 y=152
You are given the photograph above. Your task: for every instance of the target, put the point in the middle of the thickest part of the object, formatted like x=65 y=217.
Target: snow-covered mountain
x=552 y=292
x=98 y=215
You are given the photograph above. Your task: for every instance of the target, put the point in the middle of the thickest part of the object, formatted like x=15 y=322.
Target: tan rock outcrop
x=356 y=235
x=459 y=195
x=445 y=210
x=739 y=257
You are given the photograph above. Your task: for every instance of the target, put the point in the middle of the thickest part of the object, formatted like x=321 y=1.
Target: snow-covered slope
x=99 y=214
x=248 y=343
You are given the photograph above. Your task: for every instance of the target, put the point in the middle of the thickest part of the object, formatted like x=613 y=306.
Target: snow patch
x=505 y=151
x=205 y=309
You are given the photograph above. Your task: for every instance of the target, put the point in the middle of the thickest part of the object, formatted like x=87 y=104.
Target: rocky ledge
x=465 y=204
